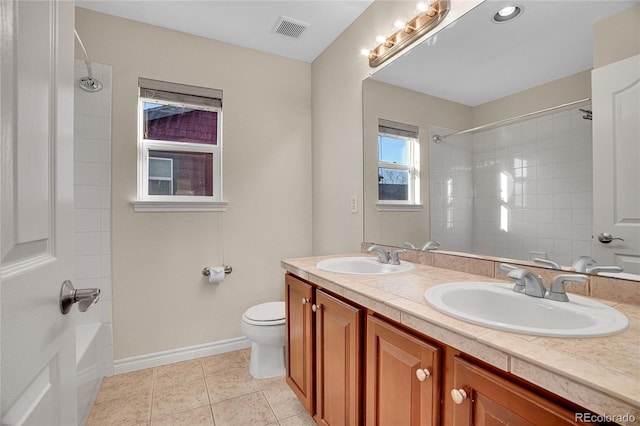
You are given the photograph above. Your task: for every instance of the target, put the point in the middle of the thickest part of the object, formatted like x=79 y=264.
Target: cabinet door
x=338 y=351
x=299 y=340
x=398 y=389
x=492 y=400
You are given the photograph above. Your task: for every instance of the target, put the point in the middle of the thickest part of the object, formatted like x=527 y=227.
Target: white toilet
x=264 y=325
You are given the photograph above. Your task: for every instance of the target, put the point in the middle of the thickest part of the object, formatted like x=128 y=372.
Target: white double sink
x=496 y=306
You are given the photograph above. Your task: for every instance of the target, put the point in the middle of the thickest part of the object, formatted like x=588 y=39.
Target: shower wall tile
x=92 y=200
x=530 y=185
x=87 y=220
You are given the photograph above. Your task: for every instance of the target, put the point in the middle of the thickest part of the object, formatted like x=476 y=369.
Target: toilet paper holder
x=227 y=270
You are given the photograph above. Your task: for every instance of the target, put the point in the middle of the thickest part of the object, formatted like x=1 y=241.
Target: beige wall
x=160 y=299
x=617 y=37
x=337 y=76
x=568 y=89
x=381 y=100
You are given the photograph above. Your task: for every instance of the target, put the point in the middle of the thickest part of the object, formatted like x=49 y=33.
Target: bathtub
x=88 y=367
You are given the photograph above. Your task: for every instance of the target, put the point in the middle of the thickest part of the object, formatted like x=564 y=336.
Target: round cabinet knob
x=458 y=396
x=422 y=374
x=305 y=300
x=316 y=308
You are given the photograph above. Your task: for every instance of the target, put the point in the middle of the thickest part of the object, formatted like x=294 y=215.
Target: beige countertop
x=601 y=374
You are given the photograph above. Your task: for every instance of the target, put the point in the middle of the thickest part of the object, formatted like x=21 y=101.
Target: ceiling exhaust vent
x=291 y=28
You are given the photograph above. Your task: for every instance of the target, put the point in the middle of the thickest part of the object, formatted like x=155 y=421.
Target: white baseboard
x=140 y=362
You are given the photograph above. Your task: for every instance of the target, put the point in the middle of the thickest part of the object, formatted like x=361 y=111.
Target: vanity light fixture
x=427 y=18
x=507 y=13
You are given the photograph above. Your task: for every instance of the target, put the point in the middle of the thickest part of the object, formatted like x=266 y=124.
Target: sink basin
x=495 y=305
x=361 y=266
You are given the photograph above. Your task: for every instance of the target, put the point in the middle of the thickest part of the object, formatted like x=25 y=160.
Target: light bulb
x=506 y=11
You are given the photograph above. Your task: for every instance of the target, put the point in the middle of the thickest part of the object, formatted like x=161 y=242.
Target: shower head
x=588 y=114
x=88 y=83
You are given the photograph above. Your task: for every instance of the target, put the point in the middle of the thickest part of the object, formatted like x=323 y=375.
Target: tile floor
x=215 y=390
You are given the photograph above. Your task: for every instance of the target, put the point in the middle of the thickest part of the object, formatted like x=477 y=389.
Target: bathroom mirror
x=518 y=189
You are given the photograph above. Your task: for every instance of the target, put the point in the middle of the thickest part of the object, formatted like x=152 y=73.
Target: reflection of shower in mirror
x=88 y=83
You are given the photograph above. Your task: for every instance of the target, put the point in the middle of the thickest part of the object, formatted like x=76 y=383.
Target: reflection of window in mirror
x=398 y=163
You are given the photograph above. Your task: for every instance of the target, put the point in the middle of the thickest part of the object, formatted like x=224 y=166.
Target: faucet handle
x=546 y=263
x=430 y=245
x=516 y=275
x=505 y=268
x=557 y=290
x=395 y=256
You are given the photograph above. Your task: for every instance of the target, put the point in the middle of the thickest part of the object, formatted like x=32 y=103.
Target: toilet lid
x=270 y=311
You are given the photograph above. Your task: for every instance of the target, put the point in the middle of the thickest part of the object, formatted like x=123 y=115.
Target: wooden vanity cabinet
x=299 y=340
x=324 y=353
x=402 y=377
x=408 y=379
x=484 y=398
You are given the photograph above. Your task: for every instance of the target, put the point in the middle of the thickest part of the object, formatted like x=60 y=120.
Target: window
x=179 y=147
x=398 y=164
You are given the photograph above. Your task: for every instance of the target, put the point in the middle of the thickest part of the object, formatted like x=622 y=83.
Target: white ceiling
x=474 y=60
x=244 y=23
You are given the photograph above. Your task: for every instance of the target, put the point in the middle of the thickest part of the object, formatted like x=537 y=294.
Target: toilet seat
x=264 y=314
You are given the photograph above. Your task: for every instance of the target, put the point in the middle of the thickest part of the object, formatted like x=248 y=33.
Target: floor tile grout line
x=270 y=406
x=153 y=391
x=206 y=388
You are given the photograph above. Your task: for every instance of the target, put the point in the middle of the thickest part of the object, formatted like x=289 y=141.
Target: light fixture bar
x=412 y=30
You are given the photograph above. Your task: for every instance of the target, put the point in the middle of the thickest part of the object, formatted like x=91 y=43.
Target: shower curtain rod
x=439 y=138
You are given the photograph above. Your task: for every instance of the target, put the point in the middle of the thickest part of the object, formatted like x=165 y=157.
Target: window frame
x=146 y=202
x=412 y=167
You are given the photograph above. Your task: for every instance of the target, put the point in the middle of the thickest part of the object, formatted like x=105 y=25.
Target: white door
x=36 y=132
x=616 y=163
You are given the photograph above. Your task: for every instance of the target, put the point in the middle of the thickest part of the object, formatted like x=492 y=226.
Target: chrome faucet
x=383 y=255
x=430 y=245
x=546 y=263
x=596 y=269
x=582 y=263
x=527 y=283
x=557 y=292
x=394 y=259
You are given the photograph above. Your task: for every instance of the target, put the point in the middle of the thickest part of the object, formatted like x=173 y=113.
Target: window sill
x=178 y=206
x=384 y=207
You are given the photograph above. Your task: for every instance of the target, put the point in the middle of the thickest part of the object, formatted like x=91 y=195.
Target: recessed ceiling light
x=507 y=14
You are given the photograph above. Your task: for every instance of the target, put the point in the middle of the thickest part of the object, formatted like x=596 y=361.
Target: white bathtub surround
x=529 y=184
x=92 y=232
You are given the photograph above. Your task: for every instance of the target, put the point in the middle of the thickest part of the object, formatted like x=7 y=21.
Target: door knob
x=85 y=297
x=606 y=238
